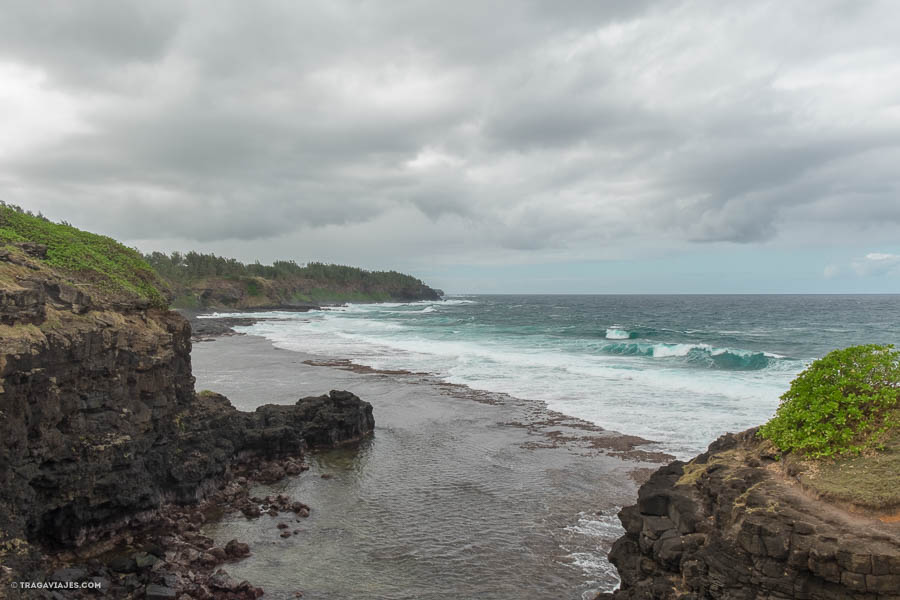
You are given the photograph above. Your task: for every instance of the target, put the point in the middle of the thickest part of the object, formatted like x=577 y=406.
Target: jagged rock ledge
x=217 y=454
x=100 y=426
x=729 y=524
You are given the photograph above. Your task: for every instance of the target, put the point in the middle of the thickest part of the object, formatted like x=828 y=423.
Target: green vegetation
x=227 y=281
x=108 y=266
x=187 y=301
x=844 y=403
x=253 y=287
x=191 y=266
x=867 y=480
x=197 y=281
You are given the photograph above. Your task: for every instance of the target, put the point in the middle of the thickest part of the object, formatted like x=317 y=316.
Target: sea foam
x=681 y=394
x=615 y=333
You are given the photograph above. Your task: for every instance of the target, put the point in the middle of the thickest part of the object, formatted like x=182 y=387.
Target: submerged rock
x=236 y=549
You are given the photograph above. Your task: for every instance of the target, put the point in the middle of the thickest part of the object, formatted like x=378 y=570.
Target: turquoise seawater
x=679 y=370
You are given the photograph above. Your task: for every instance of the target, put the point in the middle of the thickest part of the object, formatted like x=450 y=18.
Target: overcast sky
x=515 y=146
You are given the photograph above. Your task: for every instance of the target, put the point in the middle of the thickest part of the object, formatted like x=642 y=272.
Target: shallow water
x=678 y=369
x=445 y=501
x=449 y=501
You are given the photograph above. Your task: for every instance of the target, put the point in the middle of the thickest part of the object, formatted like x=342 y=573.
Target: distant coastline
x=206 y=281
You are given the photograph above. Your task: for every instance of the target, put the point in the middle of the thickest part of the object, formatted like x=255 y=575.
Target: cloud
x=520 y=127
x=882 y=257
x=877 y=264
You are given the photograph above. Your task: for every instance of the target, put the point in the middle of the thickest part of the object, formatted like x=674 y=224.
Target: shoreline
x=579 y=432
x=647 y=386
x=581 y=475
x=163 y=553
x=623 y=445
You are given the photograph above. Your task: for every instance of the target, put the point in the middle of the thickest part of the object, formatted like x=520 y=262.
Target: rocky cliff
x=294 y=294
x=99 y=422
x=733 y=524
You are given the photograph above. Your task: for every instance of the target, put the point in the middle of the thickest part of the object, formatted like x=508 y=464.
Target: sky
x=497 y=147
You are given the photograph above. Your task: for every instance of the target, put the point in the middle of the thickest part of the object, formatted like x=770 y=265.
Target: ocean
x=676 y=369
x=456 y=498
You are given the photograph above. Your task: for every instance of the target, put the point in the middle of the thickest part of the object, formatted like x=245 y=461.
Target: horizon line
x=672 y=294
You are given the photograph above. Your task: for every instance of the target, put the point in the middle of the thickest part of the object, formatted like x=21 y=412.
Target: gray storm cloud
x=516 y=125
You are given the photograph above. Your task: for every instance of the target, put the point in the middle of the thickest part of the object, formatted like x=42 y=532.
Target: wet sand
x=458 y=494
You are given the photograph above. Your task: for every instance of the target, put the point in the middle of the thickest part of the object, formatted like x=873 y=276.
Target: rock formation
x=99 y=421
x=730 y=524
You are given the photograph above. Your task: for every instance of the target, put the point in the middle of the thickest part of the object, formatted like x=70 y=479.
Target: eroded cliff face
x=99 y=422
x=730 y=525
x=88 y=393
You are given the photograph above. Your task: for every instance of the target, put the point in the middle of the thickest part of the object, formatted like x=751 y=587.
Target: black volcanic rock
x=214 y=427
x=100 y=425
x=332 y=420
x=727 y=525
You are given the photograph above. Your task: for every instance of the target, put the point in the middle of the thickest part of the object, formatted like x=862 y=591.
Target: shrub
x=106 y=264
x=842 y=403
x=253 y=287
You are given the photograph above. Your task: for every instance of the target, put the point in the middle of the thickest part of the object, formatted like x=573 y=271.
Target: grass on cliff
x=870 y=480
x=108 y=266
x=839 y=427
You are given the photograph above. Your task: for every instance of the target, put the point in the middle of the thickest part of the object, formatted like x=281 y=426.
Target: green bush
x=104 y=262
x=253 y=287
x=843 y=403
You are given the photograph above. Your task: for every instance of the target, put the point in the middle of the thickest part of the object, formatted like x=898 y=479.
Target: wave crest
x=698 y=354
x=618 y=333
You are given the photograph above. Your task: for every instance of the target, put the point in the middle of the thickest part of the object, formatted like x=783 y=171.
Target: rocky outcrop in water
x=730 y=525
x=99 y=422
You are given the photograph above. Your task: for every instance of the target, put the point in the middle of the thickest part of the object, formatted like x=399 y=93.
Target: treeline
x=191 y=266
x=197 y=280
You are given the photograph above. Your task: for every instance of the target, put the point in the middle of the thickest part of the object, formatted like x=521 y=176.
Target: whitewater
x=679 y=370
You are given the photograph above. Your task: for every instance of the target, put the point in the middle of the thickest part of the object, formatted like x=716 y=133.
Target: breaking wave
x=616 y=333
x=702 y=355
